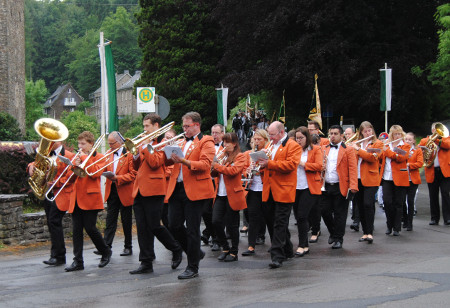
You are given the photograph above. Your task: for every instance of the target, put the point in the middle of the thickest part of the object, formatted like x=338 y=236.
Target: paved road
x=412 y=270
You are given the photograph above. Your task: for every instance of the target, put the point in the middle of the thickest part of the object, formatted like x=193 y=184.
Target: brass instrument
x=132 y=145
x=81 y=169
x=268 y=152
x=175 y=140
x=352 y=138
x=430 y=148
x=51 y=131
x=59 y=177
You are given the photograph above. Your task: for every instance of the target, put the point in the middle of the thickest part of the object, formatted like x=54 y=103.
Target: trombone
x=132 y=145
x=60 y=176
x=175 y=140
x=80 y=170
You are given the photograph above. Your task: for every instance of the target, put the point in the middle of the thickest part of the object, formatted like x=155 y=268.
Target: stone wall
x=12 y=59
x=17 y=228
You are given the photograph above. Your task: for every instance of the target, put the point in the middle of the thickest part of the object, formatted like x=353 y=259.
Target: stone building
x=126 y=100
x=65 y=98
x=12 y=59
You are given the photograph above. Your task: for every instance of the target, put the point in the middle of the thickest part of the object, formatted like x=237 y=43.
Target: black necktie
x=189 y=139
x=333 y=146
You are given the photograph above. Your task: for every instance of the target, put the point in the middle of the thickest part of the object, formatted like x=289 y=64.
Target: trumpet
x=59 y=177
x=80 y=170
x=268 y=152
x=132 y=145
x=175 y=140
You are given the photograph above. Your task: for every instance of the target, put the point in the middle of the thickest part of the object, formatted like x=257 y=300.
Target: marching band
x=316 y=177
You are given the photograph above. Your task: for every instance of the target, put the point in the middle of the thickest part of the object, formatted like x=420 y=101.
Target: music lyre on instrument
x=69 y=164
x=158 y=147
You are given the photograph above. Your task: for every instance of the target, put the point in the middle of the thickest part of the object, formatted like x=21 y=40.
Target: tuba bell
x=430 y=149
x=51 y=131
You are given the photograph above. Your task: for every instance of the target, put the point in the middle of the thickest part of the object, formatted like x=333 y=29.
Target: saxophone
x=430 y=148
x=51 y=131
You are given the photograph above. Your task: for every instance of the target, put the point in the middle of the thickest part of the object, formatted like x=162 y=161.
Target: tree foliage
x=35 y=95
x=9 y=128
x=77 y=122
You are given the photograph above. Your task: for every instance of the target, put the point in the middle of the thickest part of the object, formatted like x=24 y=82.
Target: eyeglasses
x=188 y=125
x=273 y=135
x=112 y=143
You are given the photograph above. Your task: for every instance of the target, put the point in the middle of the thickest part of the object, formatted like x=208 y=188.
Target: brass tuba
x=430 y=149
x=51 y=131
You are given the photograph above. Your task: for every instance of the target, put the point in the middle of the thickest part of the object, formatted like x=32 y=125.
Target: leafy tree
x=83 y=106
x=180 y=52
x=9 y=128
x=130 y=127
x=77 y=122
x=35 y=95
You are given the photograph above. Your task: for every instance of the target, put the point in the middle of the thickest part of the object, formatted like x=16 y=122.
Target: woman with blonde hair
x=395 y=178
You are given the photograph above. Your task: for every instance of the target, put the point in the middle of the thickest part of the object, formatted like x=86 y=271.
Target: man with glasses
x=314 y=129
x=190 y=187
x=279 y=188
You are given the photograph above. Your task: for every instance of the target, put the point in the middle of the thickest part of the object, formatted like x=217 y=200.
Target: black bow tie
x=52 y=153
x=333 y=146
x=217 y=144
x=189 y=139
x=116 y=153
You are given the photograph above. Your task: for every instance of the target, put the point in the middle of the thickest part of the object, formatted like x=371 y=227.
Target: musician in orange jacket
x=190 y=186
x=148 y=193
x=279 y=183
x=118 y=192
x=437 y=176
x=395 y=178
x=368 y=153
x=85 y=203
x=55 y=210
x=341 y=181
x=230 y=196
x=415 y=161
x=308 y=186
x=314 y=128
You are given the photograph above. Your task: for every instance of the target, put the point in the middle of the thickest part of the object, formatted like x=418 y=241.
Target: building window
x=69 y=90
x=69 y=101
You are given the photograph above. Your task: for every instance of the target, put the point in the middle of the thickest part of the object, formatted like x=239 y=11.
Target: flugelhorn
x=59 y=177
x=80 y=170
x=132 y=145
x=161 y=145
x=430 y=148
x=51 y=131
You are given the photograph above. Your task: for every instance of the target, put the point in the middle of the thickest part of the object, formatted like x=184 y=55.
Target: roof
x=118 y=77
x=49 y=102
x=130 y=83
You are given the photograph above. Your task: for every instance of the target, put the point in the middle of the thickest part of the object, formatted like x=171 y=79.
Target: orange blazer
x=324 y=141
x=87 y=191
x=415 y=160
x=125 y=175
x=370 y=164
x=313 y=168
x=150 y=178
x=398 y=165
x=197 y=180
x=346 y=167
x=280 y=175
x=233 y=184
x=443 y=157
x=63 y=199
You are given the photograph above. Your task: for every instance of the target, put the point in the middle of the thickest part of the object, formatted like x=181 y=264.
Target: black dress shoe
x=369 y=240
x=330 y=240
x=215 y=247
x=337 y=245
x=204 y=239
x=188 y=274
x=260 y=241
x=55 y=261
x=75 y=266
x=315 y=239
x=97 y=253
x=126 y=252
x=299 y=254
x=275 y=264
x=396 y=233
x=143 y=269
x=230 y=258
x=362 y=239
x=388 y=231
x=447 y=222
x=202 y=254
x=177 y=258
x=223 y=255
x=433 y=223
x=355 y=227
x=409 y=228
x=248 y=253
x=243 y=230
x=105 y=259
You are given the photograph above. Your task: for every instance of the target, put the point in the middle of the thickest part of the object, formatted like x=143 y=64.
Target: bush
x=13 y=163
x=9 y=127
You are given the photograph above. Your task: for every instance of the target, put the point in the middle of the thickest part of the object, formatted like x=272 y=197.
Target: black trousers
x=182 y=210
x=314 y=218
x=207 y=218
x=126 y=213
x=86 y=219
x=223 y=213
x=147 y=212
x=408 y=207
x=55 y=228
x=304 y=202
x=393 y=199
x=256 y=222
x=365 y=201
x=442 y=183
x=355 y=211
x=334 y=208
x=276 y=215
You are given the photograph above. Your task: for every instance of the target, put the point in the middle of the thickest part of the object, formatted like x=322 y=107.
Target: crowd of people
x=211 y=178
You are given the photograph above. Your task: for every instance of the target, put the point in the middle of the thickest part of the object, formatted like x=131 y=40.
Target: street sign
x=163 y=107
x=146 y=99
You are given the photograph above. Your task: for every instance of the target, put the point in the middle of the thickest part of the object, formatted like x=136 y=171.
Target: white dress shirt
x=331 y=175
x=302 y=182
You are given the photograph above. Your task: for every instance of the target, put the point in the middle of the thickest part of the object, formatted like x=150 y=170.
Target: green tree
x=180 y=52
x=35 y=95
x=9 y=128
x=77 y=122
x=130 y=127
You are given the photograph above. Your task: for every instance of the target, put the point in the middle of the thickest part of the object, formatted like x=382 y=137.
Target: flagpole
x=103 y=87
x=385 y=112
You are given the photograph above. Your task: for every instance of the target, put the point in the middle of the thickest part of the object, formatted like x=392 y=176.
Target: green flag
x=222 y=101
x=113 y=121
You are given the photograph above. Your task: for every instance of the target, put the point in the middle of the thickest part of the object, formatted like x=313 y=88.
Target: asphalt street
x=411 y=270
